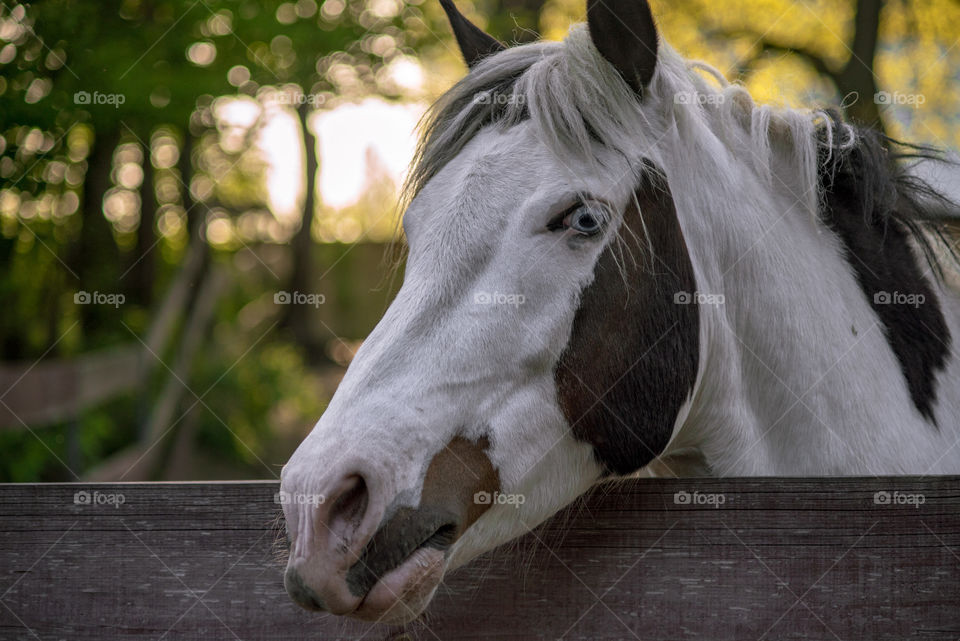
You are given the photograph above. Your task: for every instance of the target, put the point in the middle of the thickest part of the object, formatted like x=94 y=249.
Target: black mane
x=878 y=209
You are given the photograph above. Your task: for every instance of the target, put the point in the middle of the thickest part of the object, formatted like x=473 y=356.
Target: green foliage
x=268 y=386
x=254 y=382
x=44 y=454
x=91 y=94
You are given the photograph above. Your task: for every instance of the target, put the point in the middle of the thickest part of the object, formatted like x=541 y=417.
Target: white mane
x=574 y=99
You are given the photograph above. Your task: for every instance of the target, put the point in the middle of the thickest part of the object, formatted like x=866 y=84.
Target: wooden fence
x=738 y=559
x=40 y=393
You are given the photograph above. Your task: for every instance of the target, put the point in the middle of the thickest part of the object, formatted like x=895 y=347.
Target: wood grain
x=777 y=559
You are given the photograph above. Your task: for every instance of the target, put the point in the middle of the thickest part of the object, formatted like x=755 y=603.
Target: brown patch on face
x=447 y=508
x=634 y=348
x=456 y=474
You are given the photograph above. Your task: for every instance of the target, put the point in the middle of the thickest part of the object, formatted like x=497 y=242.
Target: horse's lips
x=404 y=592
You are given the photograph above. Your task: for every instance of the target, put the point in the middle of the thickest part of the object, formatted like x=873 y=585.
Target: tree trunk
x=194 y=213
x=297 y=318
x=95 y=258
x=140 y=279
x=857 y=76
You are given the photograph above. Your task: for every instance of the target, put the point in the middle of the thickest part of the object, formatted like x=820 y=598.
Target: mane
x=575 y=99
x=875 y=183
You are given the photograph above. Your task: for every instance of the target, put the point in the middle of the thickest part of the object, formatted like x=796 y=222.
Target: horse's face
x=487 y=397
x=451 y=404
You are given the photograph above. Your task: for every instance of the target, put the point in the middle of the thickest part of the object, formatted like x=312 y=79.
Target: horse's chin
x=404 y=592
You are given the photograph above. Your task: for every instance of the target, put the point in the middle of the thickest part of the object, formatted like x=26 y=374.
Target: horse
x=619 y=264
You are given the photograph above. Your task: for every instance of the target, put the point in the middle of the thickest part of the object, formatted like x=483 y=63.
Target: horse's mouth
x=401 y=566
x=366 y=553
x=402 y=594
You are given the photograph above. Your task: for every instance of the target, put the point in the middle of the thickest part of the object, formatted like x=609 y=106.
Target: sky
x=343 y=135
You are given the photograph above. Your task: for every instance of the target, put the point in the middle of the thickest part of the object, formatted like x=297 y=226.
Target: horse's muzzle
x=356 y=551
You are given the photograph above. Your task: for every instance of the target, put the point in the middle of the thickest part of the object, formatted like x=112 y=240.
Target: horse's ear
x=474 y=43
x=624 y=33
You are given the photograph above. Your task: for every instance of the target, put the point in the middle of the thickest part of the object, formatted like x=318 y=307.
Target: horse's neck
x=797 y=375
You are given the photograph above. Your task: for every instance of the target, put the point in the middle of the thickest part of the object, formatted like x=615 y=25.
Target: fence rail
x=43 y=392
x=737 y=559
x=49 y=392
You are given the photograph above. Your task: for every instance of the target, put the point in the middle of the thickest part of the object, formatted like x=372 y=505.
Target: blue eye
x=585 y=219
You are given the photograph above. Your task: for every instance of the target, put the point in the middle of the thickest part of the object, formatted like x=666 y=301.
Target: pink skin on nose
x=331 y=549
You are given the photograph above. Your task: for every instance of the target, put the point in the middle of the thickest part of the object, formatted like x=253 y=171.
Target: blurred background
x=198 y=197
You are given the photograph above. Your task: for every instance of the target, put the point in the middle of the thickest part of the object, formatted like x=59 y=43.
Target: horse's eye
x=585 y=219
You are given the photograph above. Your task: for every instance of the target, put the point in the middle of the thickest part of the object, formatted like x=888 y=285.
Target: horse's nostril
x=331 y=521
x=352 y=502
x=349 y=506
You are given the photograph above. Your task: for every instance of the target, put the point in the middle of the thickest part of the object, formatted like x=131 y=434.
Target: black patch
x=448 y=506
x=875 y=208
x=632 y=345
x=405 y=532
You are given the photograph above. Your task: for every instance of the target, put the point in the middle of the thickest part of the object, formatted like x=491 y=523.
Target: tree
x=854 y=78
